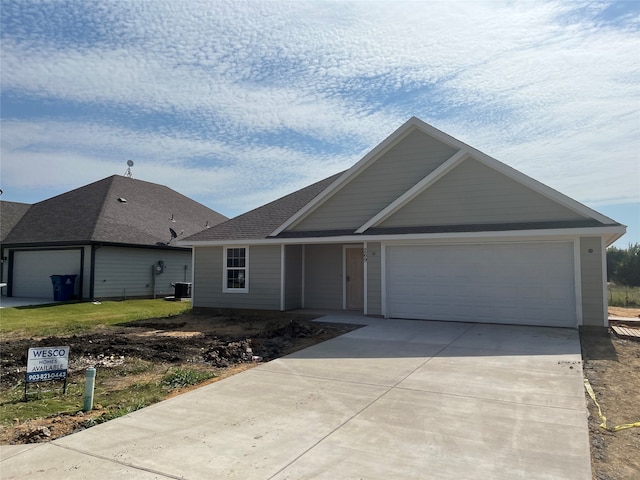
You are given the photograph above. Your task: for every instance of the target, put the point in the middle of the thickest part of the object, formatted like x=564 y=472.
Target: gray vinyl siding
x=405 y=164
x=374 y=279
x=293 y=277
x=207 y=276
x=264 y=279
x=323 y=276
x=127 y=272
x=593 y=298
x=473 y=193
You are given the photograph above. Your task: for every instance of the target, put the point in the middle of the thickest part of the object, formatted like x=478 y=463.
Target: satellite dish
x=173 y=235
x=128 y=173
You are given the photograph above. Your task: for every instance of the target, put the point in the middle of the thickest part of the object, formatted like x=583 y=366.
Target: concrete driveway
x=395 y=399
x=13 y=302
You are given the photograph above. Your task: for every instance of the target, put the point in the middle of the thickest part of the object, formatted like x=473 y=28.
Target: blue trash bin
x=63 y=287
x=56 y=281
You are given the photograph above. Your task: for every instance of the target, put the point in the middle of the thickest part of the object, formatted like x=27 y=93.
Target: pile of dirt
x=231 y=353
x=218 y=341
x=46 y=429
x=228 y=343
x=632 y=313
x=266 y=345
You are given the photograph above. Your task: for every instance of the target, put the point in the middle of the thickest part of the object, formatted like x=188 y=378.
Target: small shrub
x=183 y=377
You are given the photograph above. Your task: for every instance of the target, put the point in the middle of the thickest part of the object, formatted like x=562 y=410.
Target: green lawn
x=45 y=398
x=69 y=318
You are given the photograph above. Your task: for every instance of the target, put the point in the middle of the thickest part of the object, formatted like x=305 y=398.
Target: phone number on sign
x=41 y=377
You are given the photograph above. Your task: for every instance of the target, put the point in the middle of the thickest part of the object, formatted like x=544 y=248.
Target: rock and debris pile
x=142 y=351
x=37 y=435
x=226 y=355
x=235 y=341
x=266 y=345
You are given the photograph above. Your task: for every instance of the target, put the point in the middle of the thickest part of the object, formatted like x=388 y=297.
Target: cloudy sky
x=237 y=103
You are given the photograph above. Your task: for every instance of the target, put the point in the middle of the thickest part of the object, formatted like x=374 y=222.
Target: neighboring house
x=11 y=213
x=114 y=235
x=423 y=227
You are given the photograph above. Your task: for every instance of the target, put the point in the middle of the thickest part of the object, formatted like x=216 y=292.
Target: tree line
x=623 y=265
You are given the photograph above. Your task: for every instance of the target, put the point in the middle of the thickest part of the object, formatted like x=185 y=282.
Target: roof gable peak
x=463 y=151
x=411 y=125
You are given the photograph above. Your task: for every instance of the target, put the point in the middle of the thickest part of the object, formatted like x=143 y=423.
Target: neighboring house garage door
x=523 y=283
x=32 y=271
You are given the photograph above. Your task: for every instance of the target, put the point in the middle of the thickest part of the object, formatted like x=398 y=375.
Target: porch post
x=304 y=256
x=282 y=274
x=365 y=258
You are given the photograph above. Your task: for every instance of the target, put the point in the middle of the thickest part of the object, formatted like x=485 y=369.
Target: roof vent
x=122 y=200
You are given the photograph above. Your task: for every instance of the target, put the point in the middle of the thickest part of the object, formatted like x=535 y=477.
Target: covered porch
x=334 y=276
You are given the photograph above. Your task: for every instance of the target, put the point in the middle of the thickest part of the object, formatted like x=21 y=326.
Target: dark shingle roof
x=477 y=227
x=94 y=213
x=262 y=221
x=10 y=215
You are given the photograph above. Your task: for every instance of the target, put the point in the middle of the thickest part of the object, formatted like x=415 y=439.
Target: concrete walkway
x=13 y=302
x=395 y=399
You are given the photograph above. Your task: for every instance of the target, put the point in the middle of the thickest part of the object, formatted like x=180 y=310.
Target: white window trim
x=225 y=289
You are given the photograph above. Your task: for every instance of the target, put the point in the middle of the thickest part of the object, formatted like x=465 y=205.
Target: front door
x=354 y=265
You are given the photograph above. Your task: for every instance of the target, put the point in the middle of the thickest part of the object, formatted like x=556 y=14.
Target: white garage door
x=32 y=271
x=524 y=283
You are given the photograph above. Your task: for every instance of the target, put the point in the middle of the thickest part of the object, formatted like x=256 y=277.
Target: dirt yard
x=223 y=345
x=612 y=366
x=230 y=344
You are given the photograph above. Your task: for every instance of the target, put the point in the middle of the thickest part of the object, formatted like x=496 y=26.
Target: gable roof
x=255 y=224
x=260 y=222
x=117 y=210
x=10 y=215
x=463 y=151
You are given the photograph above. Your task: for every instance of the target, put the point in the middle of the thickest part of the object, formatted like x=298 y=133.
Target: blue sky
x=237 y=103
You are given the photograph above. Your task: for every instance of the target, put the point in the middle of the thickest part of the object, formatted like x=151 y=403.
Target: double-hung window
x=236 y=270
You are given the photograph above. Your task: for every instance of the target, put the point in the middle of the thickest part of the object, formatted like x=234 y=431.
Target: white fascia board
x=609 y=239
x=416 y=190
x=556 y=233
x=346 y=177
x=440 y=135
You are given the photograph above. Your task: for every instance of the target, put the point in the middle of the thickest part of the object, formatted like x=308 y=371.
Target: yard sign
x=47 y=363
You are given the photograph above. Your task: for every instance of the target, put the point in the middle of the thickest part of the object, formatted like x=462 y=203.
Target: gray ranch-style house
x=422 y=227
x=115 y=235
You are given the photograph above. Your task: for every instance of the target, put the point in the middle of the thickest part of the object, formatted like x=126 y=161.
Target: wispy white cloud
x=231 y=178
x=270 y=96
